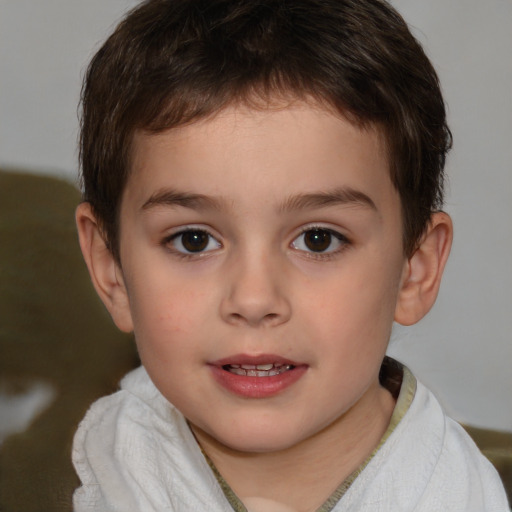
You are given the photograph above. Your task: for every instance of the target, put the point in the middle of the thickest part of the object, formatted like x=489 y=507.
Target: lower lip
x=257 y=387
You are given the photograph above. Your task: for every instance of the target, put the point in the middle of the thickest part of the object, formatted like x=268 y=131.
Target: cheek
x=162 y=290
x=166 y=312
x=358 y=303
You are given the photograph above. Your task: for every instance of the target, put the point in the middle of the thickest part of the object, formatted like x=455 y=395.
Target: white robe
x=135 y=452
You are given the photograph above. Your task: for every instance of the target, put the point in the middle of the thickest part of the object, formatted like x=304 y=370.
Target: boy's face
x=263 y=238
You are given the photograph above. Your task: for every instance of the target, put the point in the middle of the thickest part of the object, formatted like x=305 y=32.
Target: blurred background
x=463 y=349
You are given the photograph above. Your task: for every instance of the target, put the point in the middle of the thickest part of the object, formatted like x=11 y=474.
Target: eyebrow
x=337 y=197
x=187 y=200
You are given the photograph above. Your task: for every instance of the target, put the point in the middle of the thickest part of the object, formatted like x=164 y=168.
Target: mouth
x=257 y=376
x=258 y=370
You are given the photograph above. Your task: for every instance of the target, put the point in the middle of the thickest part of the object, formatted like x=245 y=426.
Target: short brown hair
x=171 y=62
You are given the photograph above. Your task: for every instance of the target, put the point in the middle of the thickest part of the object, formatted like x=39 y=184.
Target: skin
x=255 y=181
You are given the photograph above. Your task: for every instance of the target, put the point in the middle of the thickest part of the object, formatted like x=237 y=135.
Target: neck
x=302 y=477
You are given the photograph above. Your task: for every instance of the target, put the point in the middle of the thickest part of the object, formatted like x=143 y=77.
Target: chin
x=256 y=439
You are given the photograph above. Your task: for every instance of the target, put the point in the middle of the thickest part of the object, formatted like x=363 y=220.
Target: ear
x=422 y=272
x=106 y=274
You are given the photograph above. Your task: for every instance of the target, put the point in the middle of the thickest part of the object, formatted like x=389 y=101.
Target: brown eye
x=193 y=241
x=317 y=240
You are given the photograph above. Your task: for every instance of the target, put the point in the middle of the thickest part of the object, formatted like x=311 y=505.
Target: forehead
x=242 y=152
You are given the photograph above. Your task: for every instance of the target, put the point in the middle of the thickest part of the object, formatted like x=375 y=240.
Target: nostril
x=246 y=302
x=238 y=318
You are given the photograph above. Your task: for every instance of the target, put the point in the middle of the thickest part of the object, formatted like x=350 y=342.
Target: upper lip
x=247 y=359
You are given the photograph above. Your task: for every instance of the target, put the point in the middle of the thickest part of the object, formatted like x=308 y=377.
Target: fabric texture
x=135 y=452
x=55 y=334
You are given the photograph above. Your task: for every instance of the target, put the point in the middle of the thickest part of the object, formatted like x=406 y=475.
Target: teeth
x=260 y=370
x=265 y=366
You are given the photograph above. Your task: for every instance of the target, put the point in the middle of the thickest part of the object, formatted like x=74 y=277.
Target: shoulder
x=137 y=414
x=116 y=427
x=134 y=451
x=427 y=464
x=136 y=406
x=461 y=475
x=451 y=472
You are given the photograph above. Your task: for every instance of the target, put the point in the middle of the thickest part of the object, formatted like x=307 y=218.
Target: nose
x=255 y=293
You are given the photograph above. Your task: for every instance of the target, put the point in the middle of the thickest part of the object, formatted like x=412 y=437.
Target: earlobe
x=106 y=275
x=422 y=272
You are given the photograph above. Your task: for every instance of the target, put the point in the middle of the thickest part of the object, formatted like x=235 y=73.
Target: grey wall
x=463 y=349
x=45 y=46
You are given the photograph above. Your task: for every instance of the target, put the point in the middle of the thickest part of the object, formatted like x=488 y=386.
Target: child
x=262 y=190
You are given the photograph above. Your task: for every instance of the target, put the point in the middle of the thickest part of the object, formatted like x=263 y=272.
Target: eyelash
x=342 y=240
x=168 y=243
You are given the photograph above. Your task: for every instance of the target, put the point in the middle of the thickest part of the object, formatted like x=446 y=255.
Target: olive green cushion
x=497 y=447
x=53 y=329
